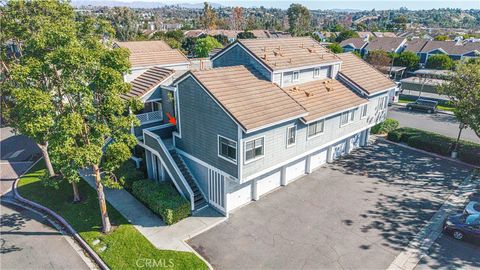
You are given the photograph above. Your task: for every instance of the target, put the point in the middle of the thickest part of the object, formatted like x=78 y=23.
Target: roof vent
x=310 y=50
x=308 y=94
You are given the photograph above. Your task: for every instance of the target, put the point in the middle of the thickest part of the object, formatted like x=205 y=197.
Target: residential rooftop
x=384 y=43
x=152 y=53
x=363 y=75
x=289 y=53
x=252 y=101
x=324 y=97
x=355 y=42
x=148 y=81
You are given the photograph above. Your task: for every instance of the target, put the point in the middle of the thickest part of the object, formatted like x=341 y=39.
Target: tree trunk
x=76 y=192
x=101 y=200
x=46 y=157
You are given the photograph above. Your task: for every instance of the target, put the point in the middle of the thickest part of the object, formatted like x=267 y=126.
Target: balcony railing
x=150 y=117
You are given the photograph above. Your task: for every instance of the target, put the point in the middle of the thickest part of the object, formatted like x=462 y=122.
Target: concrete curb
x=61 y=221
x=428 y=153
x=439 y=111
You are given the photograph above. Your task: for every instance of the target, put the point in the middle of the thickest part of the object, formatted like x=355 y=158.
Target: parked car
x=429 y=106
x=462 y=226
x=472 y=208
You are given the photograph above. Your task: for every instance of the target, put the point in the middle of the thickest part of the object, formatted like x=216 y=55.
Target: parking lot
x=357 y=213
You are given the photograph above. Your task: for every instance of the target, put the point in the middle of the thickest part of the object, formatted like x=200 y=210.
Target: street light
x=455 y=148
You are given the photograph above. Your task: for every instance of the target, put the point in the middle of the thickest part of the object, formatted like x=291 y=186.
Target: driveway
x=27 y=242
x=357 y=213
x=440 y=123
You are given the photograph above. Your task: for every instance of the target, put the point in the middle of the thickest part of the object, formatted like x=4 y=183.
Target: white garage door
x=294 y=171
x=268 y=183
x=338 y=150
x=355 y=141
x=318 y=159
x=239 y=197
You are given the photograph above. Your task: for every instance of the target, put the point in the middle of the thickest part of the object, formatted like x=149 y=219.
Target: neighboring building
x=384 y=34
x=269 y=112
x=388 y=44
x=232 y=34
x=354 y=44
x=454 y=49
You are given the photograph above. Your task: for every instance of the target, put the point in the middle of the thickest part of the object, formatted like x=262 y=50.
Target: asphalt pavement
x=441 y=123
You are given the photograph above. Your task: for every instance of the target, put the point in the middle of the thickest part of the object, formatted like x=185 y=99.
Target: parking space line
x=421 y=243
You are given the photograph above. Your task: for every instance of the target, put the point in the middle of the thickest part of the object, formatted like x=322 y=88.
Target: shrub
x=385 y=126
x=432 y=142
x=162 y=199
x=127 y=173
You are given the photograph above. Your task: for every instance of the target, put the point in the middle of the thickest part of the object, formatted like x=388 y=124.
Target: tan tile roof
x=323 y=97
x=253 y=102
x=289 y=52
x=146 y=59
x=144 y=46
x=356 y=42
x=384 y=43
x=364 y=75
x=147 y=81
x=152 y=53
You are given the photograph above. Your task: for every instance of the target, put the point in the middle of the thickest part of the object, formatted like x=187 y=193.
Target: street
x=29 y=242
x=439 y=123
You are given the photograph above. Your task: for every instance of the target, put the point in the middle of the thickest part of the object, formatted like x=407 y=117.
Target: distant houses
x=456 y=50
x=232 y=34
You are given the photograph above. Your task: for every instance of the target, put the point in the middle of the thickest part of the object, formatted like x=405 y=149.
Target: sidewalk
x=151 y=226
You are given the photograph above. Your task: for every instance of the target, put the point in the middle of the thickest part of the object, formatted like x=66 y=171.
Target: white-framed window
x=382 y=103
x=291 y=136
x=347 y=117
x=295 y=76
x=254 y=149
x=316 y=128
x=227 y=149
x=363 y=111
x=316 y=72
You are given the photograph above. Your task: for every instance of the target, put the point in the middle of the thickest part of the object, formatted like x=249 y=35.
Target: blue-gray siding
x=238 y=56
x=201 y=120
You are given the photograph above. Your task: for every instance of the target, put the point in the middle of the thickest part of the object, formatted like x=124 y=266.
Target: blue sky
x=339 y=4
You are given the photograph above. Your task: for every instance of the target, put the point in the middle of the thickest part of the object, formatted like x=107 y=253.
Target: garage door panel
x=318 y=159
x=239 y=197
x=296 y=170
x=268 y=183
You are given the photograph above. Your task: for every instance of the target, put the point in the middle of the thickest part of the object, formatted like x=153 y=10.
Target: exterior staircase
x=199 y=200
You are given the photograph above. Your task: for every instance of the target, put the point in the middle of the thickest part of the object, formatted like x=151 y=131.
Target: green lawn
x=440 y=107
x=127 y=248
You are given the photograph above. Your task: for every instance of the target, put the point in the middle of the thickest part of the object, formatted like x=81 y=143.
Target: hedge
x=432 y=142
x=162 y=199
x=127 y=173
x=385 y=126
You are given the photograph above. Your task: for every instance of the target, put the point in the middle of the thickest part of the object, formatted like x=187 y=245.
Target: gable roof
x=450 y=47
x=363 y=75
x=152 y=53
x=255 y=103
x=384 y=43
x=357 y=43
x=324 y=97
x=147 y=81
x=285 y=53
x=144 y=46
x=415 y=45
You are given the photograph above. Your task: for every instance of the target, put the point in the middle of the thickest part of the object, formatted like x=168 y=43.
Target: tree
x=222 y=39
x=441 y=38
x=407 y=59
x=35 y=30
x=463 y=88
x=440 y=61
x=238 y=21
x=209 y=17
x=378 y=58
x=205 y=45
x=298 y=19
x=94 y=111
x=335 y=48
x=125 y=22
x=245 y=35
x=346 y=35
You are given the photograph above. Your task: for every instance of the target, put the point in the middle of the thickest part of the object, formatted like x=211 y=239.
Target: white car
x=472 y=208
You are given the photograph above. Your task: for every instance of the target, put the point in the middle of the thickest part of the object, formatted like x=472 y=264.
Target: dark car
x=425 y=105
x=462 y=226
